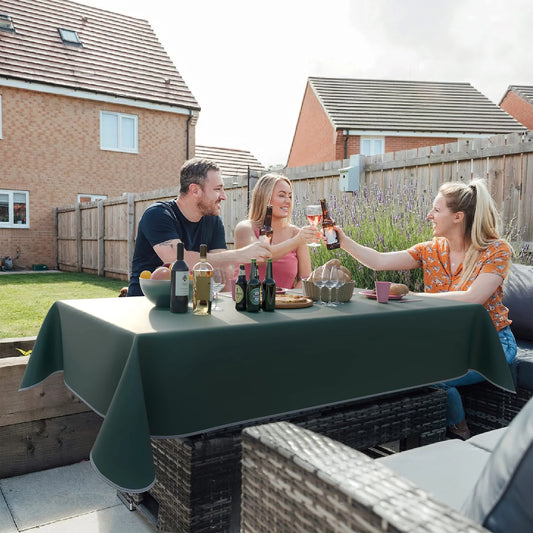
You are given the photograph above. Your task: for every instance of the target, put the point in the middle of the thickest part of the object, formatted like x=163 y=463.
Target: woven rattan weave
x=198 y=479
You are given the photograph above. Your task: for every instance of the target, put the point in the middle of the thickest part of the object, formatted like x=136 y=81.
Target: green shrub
x=385 y=221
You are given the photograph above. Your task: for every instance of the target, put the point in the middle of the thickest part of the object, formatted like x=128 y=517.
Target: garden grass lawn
x=26 y=298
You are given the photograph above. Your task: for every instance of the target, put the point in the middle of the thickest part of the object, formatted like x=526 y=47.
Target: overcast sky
x=247 y=62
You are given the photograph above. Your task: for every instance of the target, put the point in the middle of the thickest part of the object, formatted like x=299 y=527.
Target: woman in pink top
x=290 y=253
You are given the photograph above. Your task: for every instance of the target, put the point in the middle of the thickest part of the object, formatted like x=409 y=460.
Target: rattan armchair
x=297 y=480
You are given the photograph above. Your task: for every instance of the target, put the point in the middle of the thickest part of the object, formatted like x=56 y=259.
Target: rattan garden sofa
x=487 y=406
x=297 y=480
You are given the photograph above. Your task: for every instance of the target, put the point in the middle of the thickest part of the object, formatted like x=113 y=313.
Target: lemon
x=145 y=274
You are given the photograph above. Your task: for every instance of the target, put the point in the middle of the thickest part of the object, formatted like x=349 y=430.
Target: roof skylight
x=6 y=23
x=69 y=37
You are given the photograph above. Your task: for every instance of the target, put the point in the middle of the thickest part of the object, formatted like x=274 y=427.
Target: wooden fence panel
x=100 y=237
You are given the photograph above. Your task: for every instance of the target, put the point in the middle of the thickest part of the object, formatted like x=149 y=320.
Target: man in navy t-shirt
x=192 y=218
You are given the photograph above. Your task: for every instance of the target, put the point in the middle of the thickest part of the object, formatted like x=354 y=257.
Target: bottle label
x=255 y=296
x=203 y=288
x=331 y=235
x=181 y=287
x=239 y=294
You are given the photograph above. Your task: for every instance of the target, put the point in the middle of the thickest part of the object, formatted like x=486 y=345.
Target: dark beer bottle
x=179 y=283
x=265 y=233
x=332 y=238
x=269 y=289
x=240 y=290
x=253 y=290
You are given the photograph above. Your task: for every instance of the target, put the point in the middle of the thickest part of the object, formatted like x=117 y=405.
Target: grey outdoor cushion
x=502 y=497
x=448 y=470
x=518 y=298
x=487 y=440
x=524 y=364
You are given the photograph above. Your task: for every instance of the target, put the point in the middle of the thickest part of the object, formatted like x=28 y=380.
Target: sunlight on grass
x=26 y=298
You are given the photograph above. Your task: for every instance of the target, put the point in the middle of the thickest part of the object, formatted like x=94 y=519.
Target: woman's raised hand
x=309 y=234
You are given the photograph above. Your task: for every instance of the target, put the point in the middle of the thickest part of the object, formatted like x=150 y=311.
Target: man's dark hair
x=195 y=171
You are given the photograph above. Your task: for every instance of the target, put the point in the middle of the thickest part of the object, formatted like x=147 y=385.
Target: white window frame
x=93 y=197
x=119 y=147
x=11 y=222
x=373 y=141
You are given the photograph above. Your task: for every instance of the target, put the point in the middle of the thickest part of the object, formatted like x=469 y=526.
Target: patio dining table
x=151 y=373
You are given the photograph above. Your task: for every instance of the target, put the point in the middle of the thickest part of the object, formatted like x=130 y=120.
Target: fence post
x=101 y=241
x=79 y=244
x=131 y=230
x=56 y=231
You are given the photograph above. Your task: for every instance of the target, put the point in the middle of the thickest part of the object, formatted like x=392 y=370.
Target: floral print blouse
x=433 y=257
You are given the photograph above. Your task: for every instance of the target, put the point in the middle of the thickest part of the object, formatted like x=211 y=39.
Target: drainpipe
x=346 y=134
x=187 y=145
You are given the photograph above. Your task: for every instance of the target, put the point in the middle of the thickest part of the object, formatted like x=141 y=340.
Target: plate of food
x=396 y=292
x=292 y=301
x=280 y=290
x=372 y=295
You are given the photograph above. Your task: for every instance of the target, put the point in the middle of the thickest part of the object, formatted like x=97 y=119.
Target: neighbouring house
x=341 y=117
x=91 y=106
x=518 y=102
x=233 y=163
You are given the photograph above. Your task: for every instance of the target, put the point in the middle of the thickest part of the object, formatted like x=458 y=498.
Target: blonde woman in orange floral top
x=466 y=261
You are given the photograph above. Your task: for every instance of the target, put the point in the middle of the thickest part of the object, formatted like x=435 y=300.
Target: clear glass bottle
x=202 y=284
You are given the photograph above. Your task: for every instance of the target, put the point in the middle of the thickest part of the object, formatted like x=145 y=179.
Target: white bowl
x=157 y=291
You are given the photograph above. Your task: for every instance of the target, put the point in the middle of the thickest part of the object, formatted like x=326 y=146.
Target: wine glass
x=319 y=281
x=314 y=217
x=330 y=282
x=219 y=282
x=337 y=274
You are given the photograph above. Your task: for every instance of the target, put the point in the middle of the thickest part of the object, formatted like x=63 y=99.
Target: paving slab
x=56 y=494
x=6 y=521
x=111 y=520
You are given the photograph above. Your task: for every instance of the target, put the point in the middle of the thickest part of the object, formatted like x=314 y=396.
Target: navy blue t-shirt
x=163 y=221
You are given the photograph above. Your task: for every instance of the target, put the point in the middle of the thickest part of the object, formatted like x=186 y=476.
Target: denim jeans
x=454 y=406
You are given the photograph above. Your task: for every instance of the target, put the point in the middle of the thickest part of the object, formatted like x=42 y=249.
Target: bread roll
x=398 y=288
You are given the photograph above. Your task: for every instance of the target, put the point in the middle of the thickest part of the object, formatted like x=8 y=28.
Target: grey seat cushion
x=523 y=364
x=501 y=499
x=487 y=440
x=518 y=298
x=448 y=470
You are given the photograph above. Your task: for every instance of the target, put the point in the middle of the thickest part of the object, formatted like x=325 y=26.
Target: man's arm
x=167 y=252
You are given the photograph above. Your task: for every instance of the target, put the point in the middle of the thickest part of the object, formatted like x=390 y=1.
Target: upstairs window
x=118 y=132
x=372 y=145
x=69 y=37
x=14 y=209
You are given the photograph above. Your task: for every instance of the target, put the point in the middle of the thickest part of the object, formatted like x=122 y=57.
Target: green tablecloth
x=153 y=373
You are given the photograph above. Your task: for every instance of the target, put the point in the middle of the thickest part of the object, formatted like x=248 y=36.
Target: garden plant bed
x=43 y=427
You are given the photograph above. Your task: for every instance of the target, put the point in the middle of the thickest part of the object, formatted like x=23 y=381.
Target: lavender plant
x=389 y=220
x=381 y=219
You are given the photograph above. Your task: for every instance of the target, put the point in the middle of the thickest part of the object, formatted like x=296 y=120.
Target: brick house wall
x=518 y=108
x=344 y=150
x=51 y=148
x=314 y=140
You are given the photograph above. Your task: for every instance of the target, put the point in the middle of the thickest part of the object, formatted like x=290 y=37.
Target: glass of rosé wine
x=314 y=217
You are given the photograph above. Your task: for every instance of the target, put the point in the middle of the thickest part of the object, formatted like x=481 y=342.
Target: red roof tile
x=120 y=55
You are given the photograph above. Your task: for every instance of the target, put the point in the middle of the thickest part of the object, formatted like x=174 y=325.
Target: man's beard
x=208 y=209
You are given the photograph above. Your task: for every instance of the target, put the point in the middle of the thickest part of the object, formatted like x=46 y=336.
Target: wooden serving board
x=292 y=301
